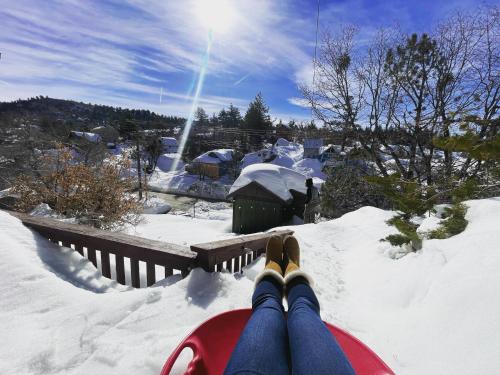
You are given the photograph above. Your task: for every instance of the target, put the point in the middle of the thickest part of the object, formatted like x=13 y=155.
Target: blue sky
x=126 y=52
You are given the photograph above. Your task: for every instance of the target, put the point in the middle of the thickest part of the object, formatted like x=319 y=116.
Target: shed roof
x=280 y=181
x=215 y=156
x=168 y=141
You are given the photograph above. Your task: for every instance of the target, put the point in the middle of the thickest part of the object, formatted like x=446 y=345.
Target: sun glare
x=216 y=15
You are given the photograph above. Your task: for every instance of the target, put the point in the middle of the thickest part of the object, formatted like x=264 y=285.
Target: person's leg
x=313 y=348
x=263 y=346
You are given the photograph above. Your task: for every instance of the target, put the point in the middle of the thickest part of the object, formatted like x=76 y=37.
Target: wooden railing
x=231 y=254
x=89 y=241
x=234 y=253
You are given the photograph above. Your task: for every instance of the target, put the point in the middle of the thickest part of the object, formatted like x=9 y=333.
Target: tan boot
x=274 y=258
x=291 y=253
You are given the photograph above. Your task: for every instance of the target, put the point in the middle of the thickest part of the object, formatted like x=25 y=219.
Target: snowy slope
x=432 y=312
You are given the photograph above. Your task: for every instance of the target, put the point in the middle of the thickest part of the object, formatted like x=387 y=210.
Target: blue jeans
x=271 y=344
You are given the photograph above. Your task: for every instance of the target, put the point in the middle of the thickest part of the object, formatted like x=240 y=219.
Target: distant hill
x=44 y=111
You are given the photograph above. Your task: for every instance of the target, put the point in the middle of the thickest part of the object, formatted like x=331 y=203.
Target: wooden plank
x=91 y=255
x=220 y=267
x=79 y=248
x=134 y=273
x=243 y=261
x=114 y=242
x=212 y=253
x=120 y=269
x=150 y=273
x=168 y=272
x=230 y=265
x=237 y=264
x=247 y=239
x=249 y=258
x=105 y=265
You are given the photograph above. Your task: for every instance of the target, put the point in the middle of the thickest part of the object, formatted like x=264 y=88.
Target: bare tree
x=336 y=95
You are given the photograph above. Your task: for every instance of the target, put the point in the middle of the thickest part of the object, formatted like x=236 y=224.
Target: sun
x=215 y=15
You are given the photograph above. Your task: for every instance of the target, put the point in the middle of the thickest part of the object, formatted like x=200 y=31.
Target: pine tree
x=234 y=117
x=214 y=121
x=257 y=115
x=257 y=118
x=223 y=118
x=411 y=200
x=201 y=117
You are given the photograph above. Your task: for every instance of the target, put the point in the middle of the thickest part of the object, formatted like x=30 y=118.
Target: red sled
x=213 y=342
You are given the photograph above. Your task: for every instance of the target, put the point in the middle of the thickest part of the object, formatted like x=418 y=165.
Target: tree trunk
x=139 y=177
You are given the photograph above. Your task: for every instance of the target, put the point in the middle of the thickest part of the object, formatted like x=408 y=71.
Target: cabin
x=330 y=154
x=312 y=147
x=213 y=164
x=169 y=145
x=266 y=196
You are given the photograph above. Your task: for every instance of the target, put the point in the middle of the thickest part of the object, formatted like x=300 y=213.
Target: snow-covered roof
x=166 y=161
x=278 y=180
x=92 y=137
x=215 y=156
x=168 y=141
x=282 y=142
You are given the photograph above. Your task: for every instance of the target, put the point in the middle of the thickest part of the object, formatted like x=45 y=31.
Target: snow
x=435 y=311
x=91 y=137
x=178 y=182
x=168 y=141
x=310 y=168
x=181 y=230
x=215 y=156
x=282 y=142
x=155 y=205
x=278 y=180
x=289 y=155
x=44 y=210
x=166 y=161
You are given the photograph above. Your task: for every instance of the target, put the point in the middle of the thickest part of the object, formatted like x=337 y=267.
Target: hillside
x=45 y=111
x=434 y=311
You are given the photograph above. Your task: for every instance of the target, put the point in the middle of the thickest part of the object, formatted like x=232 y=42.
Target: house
x=265 y=196
x=214 y=164
x=169 y=145
x=91 y=137
x=312 y=147
x=330 y=154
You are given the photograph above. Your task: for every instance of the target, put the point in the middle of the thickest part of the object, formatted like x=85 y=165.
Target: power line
x=316 y=44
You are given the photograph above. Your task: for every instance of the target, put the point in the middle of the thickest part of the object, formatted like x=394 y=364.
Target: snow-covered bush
x=93 y=195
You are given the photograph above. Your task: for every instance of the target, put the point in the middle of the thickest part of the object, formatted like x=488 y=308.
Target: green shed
x=258 y=207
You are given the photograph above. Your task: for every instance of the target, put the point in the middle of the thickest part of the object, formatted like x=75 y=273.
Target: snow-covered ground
x=432 y=312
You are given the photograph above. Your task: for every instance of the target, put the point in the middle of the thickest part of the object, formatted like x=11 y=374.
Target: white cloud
x=299 y=102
